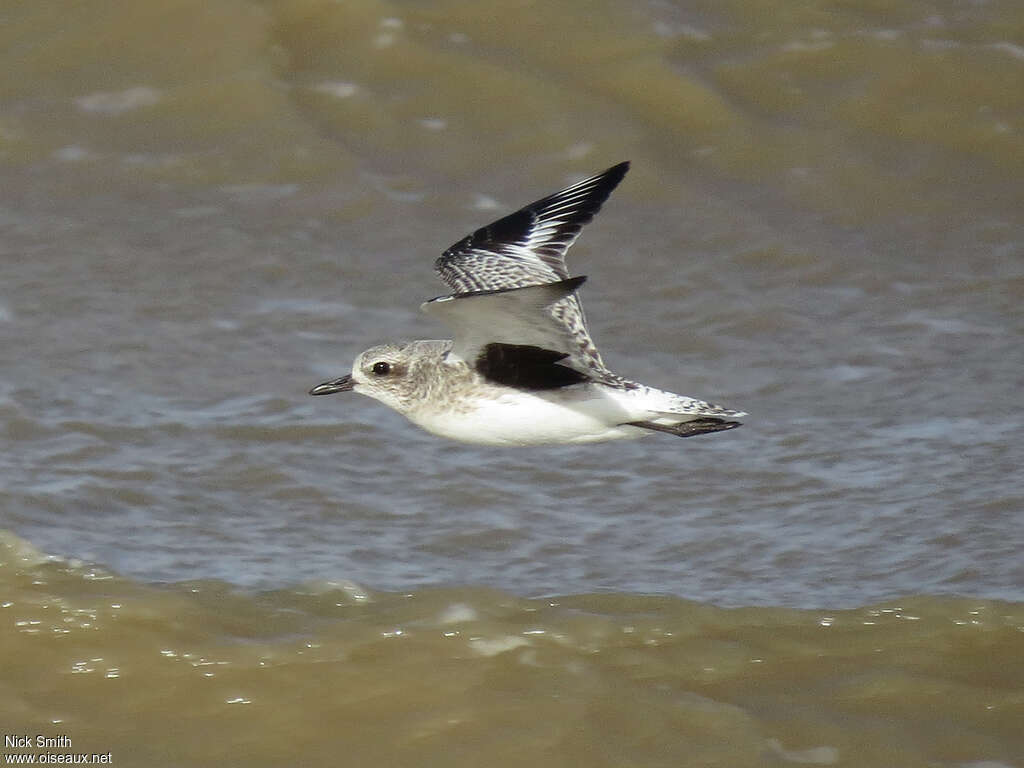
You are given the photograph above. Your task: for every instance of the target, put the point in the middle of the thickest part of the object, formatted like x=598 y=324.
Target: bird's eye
x=382 y=368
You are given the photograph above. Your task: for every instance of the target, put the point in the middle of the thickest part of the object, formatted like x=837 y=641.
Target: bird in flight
x=522 y=368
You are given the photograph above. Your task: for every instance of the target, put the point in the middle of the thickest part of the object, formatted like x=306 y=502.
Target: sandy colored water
x=333 y=674
x=208 y=207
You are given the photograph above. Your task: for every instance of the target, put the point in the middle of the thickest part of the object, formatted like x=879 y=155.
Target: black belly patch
x=526 y=367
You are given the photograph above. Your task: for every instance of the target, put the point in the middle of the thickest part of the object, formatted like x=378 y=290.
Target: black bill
x=344 y=384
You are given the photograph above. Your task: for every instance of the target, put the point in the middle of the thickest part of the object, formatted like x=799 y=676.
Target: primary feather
x=528 y=248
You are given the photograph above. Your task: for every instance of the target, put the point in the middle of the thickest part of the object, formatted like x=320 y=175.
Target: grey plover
x=522 y=369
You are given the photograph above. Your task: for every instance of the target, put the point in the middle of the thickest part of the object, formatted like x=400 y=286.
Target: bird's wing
x=527 y=248
x=510 y=335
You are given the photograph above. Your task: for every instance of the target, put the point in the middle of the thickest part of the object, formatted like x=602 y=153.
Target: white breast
x=571 y=415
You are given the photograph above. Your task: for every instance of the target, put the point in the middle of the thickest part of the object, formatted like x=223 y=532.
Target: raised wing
x=527 y=248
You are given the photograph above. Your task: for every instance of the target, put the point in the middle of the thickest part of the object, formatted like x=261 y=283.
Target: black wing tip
x=616 y=172
x=592 y=192
x=599 y=187
x=602 y=184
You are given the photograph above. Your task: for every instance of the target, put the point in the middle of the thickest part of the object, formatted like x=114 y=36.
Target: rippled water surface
x=209 y=206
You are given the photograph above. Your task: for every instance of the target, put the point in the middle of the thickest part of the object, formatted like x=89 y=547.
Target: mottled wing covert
x=528 y=248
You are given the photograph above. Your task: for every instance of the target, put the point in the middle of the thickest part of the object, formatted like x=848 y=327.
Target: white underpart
x=586 y=413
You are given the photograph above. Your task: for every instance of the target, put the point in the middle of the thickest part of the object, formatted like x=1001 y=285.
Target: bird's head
x=381 y=372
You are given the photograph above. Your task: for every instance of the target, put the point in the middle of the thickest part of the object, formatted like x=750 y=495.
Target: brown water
x=208 y=206
x=198 y=673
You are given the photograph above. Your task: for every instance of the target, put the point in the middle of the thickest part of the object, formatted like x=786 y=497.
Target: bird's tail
x=700 y=426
